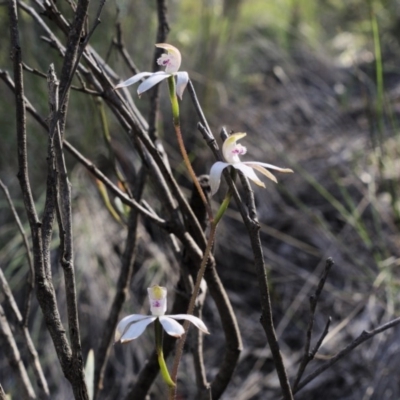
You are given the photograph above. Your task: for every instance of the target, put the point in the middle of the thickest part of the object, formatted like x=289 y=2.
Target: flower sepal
x=231 y=151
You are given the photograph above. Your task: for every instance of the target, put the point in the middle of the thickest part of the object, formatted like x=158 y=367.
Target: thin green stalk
x=196 y=289
x=182 y=148
x=158 y=330
x=379 y=71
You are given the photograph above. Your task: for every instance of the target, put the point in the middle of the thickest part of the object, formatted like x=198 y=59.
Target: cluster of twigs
x=183 y=220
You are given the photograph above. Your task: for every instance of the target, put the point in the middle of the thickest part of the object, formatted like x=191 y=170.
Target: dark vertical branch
x=49 y=211
x=162 y=32
x=64 y=215
x=21 y=119
x=74 y=38
x=45 y=291
x=253 y=229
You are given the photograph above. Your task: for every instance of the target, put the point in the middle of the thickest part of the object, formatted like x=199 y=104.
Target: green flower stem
x=200 y=274
x=222 y=208
x=160 y=354
x=182 y=148
x=174 y=100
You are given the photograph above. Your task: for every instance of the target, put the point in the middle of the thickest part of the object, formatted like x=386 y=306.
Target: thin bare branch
x=88 y=164
x=14 y=358
x=321 y=338
x=120 y=45
x=364 y=336
x=31 y=271
x=12 y=308
x=131 y=202
x=308 y=356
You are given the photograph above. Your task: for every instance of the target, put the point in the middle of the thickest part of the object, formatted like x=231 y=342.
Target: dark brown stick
x=253 y=229
x=71 y=57
x=162 y=33
x=64 y=216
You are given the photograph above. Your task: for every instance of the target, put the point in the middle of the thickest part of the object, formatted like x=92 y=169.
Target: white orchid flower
x=171 y=61
x=132 y=326
x=231 y=152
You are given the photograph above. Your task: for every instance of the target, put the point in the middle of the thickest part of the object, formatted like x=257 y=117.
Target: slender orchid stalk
x=182 y=148
x=160 y=354
x=196 y=289
x=172 y=62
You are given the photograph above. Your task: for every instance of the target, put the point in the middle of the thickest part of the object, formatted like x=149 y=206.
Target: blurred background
x=316 y=86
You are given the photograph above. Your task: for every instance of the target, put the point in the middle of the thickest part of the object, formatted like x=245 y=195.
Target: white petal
x=263 y=170
x=194 y=320
x=133 y=79
x=248 y=172
x=182 y=79
x=125 y=322
x=215 y=175
x=171 y=327
x=136 y=329
x=270 y=166
x=155 y=78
